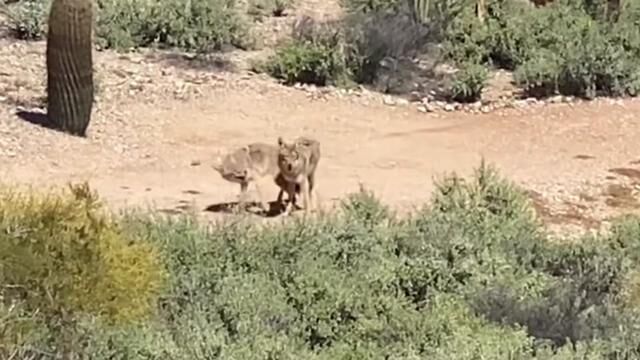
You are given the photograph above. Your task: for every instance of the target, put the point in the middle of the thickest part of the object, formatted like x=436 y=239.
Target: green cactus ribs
x=70 y=66
x=420 y=10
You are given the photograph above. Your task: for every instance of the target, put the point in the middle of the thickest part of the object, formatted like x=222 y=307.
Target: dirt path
x=148 y=147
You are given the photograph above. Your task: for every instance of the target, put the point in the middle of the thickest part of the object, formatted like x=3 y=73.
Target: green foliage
x=261 y=8
x=346 y=51
x=199 y=25
x=378 y=37
x=307 y=62
x=61 y=257
x=565 y=47
x=27 y=20
x=471 y=275
x=587 y=58
x=365 y=207
x=315 y=55
x=468 y=83
x=366 y=6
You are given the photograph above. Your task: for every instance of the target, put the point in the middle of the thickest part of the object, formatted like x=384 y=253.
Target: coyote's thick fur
x=253 y=163
x=297 y=162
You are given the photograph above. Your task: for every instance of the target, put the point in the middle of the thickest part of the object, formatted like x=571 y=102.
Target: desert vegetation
x=571 y=47
x=471 y=274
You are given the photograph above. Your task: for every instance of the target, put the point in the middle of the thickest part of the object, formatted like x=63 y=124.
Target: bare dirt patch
x=160 y=118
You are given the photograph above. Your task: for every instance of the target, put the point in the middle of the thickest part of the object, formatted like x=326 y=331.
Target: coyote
x=255 y=163
x=297 y=162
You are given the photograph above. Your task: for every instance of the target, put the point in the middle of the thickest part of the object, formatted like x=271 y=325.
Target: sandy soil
x=159 y=121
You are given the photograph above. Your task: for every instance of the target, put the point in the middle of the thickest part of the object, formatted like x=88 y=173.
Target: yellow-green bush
x=62 y=256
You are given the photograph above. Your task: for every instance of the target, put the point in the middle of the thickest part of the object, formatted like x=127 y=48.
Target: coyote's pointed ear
x=216 y=163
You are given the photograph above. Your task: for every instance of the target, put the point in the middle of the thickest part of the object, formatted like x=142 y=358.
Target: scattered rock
x=415 y=97
x=520 y=104
x=388 y=100
x=402 y=102
x=556 y=99
x=449 y=107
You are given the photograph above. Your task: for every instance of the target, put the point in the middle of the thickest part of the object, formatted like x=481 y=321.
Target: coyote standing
x=297 y=162
x=256 y=162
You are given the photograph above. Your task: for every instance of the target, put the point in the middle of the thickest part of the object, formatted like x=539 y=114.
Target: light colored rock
x=556 y=99
x=402 y=102
x=388 y=100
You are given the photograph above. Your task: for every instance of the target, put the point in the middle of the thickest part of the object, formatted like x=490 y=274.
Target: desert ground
x=160 y=119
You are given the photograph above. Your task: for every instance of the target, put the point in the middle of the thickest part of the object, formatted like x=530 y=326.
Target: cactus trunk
x=70 y=65
x=420 y=10
x=481 y=8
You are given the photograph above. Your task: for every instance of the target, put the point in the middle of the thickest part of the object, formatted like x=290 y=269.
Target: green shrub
x=199 y=25
x=27 y=20
x=261 y=8
x=455 y=280
x=578 y=58
x=347 y=51
x=559 y=48
x=365 y=6
x=468 y=83
x=471 y=275
x=308 y=63
x=377 y=36
x=62 y=257
x=314 y=55
x=366 y=208
x=466 y=39
x=19 y=328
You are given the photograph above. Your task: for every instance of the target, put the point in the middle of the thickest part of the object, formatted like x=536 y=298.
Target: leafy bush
x=60 y=257
x=261 y=8
x=472 y=274
x=315 y=55
x=306 y=63
x=200 y=25
x=378 y=36
x=365 y=6
x=468 y=83
x=351 y=50
x=580 y=58
x=560 y=48
x=27 y=20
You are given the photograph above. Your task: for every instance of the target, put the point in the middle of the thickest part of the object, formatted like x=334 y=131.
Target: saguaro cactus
x=70 y=65
x=420 y=10
x=481 y=9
